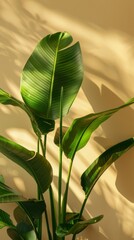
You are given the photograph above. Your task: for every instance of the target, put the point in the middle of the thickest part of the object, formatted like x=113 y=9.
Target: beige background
x=106 y=34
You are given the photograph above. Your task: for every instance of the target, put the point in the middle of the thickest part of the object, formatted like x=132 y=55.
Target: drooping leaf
x=76 y=227
x=9 y=195
x=53 y=65
x=79 y=133
x=98 y=167
x=5 y=220
x=35 y=164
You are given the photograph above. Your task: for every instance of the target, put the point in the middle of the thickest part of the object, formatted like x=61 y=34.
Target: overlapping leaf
x=35 y=164
x=53 y=65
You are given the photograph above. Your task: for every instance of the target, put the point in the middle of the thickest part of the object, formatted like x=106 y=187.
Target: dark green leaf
x=35 y=208
x=57 y=134
x=5 y=219
x=13 y=234
x=35 y=164
x=98 y=167
x=81 y=129
x=75 y=228
x=9 y=195
x=2 y=179
x=52 y=65
x=26 y=231
x=45 y=125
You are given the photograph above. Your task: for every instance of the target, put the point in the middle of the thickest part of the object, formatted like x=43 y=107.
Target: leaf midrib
x=53 y=74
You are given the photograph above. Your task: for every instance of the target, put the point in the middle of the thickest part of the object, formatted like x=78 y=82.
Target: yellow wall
x=106 y=33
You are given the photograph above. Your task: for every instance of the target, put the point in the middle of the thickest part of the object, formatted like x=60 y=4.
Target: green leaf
x=9 y=195
x=75 y=228
x=40 y=125
x=13 y=234
x=57 y=134
x=79 y=133
x=45 y=125
x=6 y=98
x=5 y=219
x=98 y=167
x=34 y=208
x=35 y=164
x=53 y=65
x=2 y=179
x=26 y=231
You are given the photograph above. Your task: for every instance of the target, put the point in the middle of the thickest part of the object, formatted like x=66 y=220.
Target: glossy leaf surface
x=98 y=167
x=79 y=133
x=35 y=164
x=53 y=65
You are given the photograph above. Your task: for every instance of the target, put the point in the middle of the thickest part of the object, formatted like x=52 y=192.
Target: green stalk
x=39 y=198
x=40 y=195
x=51 y=197
x=64 y=202
x=60 y=159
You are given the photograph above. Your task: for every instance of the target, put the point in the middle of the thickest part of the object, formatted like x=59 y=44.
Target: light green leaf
x=35 y=164
x=52 y=65
x=5 y=220
x=99 y=166
x=79 y=133
x=75 y=228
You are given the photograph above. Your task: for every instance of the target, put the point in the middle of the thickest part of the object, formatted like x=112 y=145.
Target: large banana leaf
x=35 y=164
x=79 y=133
x=53 y=65
x=97 y=168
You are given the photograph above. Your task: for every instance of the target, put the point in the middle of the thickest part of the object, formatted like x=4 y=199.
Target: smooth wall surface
x=106 y=34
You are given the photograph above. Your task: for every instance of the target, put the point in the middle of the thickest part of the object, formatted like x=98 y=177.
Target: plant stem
x=39 y=198
x=40 y=195
x=53 y=215
x=64 y=202
x=60 y=159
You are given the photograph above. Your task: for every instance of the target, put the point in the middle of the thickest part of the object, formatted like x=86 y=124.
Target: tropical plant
x=50 y=82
